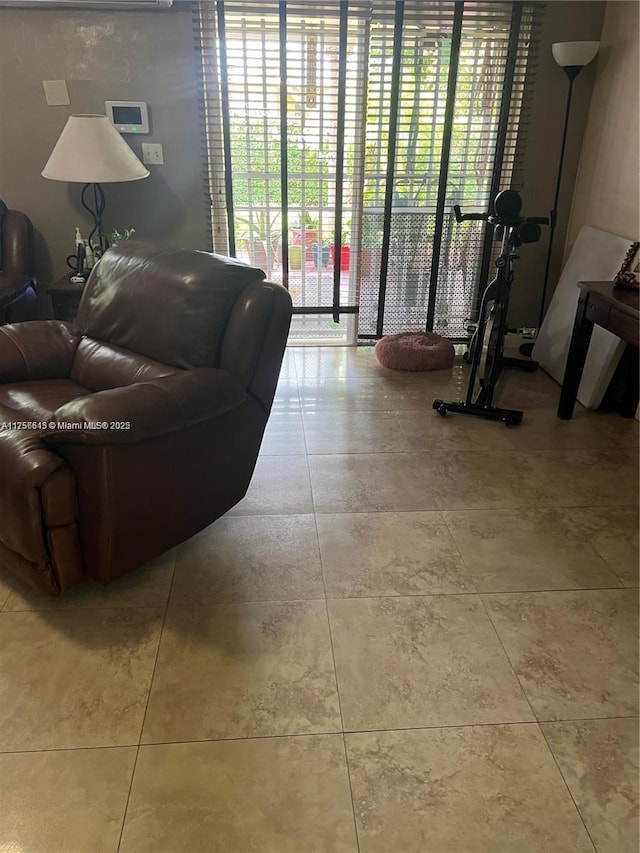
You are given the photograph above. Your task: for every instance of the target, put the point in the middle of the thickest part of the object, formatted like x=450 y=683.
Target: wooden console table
x=615 y=309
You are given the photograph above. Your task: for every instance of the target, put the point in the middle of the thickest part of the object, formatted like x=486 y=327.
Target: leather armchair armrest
x=147 y=409
x=40 y=349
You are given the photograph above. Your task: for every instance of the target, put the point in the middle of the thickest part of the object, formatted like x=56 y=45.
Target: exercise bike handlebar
x=509 y=219
x=505 y=217
x=485 y=217
x=463 y=217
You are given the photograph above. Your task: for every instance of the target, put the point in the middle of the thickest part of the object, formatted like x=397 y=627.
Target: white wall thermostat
x=128 y=116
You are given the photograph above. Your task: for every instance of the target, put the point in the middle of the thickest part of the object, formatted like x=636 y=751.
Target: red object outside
x=345 y=256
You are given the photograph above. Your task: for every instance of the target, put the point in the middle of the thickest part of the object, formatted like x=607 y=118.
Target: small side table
x=65 y=298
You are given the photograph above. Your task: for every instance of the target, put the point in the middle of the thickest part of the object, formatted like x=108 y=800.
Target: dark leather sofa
x=17 y=285
x=127 y=433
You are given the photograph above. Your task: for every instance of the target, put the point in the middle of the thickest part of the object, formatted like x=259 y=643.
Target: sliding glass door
x=339 y=134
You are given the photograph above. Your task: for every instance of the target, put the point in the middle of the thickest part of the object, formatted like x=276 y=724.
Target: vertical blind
x=335 y=127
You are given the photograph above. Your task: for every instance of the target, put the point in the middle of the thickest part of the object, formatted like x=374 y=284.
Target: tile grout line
x=370 y=731
x=146 y=707
x=536 y=720
x=333 y=658
x=343 y=733
x=562 y=776
x=321 y=734
x=465 y=594
x=126 y=608
x=603 y=558
x=507 y=656
x=514 y=510
x=443 y=516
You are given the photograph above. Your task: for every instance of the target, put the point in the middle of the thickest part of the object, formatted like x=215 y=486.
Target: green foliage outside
x=256 y=150
x=255 y=141
x=421 y=124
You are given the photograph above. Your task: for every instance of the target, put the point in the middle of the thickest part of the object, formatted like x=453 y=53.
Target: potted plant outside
x=295 y=256
x=305 y=233
x=261 y=236
x=321 y=255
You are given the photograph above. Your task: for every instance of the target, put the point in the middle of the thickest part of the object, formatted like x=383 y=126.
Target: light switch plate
x=152 y=154
x=55 y=92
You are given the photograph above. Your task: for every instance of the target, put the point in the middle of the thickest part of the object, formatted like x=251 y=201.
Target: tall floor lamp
x=90 y=151
x=571 y=56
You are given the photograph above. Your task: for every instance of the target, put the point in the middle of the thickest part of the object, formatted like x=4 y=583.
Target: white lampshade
x=574 y=53
x=91 y=151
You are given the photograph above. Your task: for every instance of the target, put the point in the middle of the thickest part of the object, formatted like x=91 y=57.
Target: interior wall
x=608 y=184
x=102 y=55
x=564 y=20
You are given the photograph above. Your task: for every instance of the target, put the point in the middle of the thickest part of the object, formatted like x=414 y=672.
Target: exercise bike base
x=510 y=417
x=520 y=363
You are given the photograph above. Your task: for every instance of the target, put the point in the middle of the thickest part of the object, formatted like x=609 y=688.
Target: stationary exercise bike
x=487 y=344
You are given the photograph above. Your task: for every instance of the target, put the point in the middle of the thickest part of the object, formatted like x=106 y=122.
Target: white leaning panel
x=596 y=256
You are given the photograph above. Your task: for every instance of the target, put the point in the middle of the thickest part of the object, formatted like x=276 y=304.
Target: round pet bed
x=415 y=351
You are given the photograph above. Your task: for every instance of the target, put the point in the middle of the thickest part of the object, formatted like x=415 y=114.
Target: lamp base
x=97 y=238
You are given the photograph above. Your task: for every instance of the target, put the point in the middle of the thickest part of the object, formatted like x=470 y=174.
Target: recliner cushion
x=99 y=366
x=169 y=305
x=39 y=349
x=39 y=399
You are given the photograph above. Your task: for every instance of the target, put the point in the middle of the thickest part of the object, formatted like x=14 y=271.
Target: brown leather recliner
x=126 y=434
x=17 y=285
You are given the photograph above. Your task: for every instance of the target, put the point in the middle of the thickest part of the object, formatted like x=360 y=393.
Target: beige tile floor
x=414 y=635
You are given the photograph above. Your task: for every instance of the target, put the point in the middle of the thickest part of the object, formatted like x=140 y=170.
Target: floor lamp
x=571 y=56
x=90 y=151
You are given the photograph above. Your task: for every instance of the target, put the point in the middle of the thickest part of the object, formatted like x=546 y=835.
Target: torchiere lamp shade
x=576 y=53
x=91 y=151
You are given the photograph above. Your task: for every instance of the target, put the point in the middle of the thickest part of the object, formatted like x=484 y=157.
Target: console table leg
x=630 y=397
x=580 y=339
